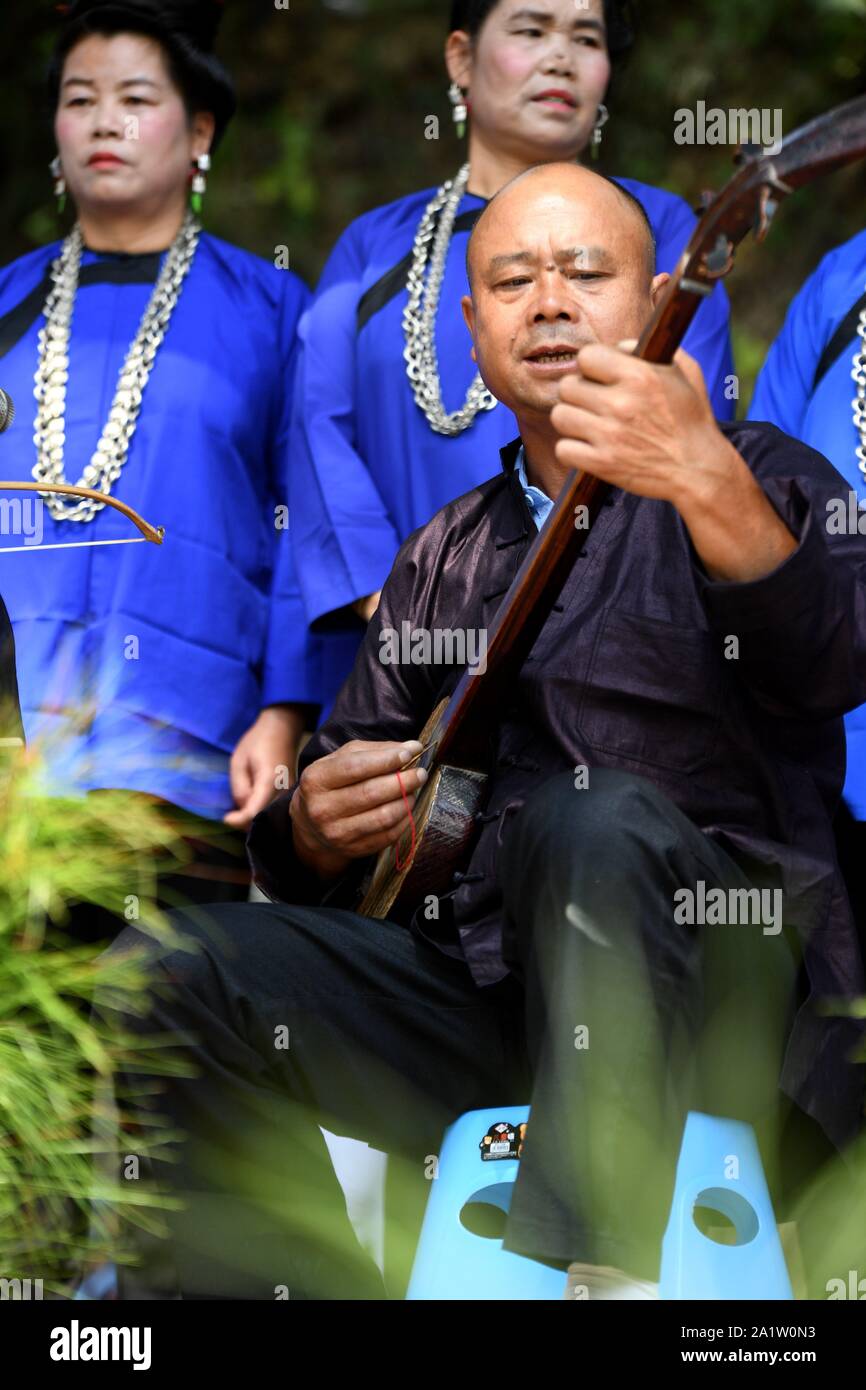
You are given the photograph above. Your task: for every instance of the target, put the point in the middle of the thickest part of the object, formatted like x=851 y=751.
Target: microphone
x=7 y=411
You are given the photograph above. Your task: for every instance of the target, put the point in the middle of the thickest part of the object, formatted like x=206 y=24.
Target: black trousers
x=614 y=1022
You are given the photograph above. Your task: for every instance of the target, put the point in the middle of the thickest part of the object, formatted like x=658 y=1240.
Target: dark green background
x=334 y=99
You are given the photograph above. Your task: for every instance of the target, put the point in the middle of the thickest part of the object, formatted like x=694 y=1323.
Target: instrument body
x=456 y=738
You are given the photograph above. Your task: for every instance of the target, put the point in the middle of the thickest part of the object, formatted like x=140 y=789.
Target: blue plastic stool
x=720 y=1168
x=478 y=1166
x=454 y=1263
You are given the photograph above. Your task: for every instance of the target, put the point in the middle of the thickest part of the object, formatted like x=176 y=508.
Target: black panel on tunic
x=116 y=269
x=845 y=334
x=394 y=280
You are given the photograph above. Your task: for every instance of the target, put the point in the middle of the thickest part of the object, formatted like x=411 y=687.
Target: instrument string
x=68 y=545
x=401 y=867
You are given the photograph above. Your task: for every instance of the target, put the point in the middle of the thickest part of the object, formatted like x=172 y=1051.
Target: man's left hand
x=267 y=746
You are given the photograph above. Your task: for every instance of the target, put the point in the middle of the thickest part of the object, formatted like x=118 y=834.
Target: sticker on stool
x=502 y=1140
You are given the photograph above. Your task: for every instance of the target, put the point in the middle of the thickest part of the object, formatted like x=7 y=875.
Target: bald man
x=652 y=913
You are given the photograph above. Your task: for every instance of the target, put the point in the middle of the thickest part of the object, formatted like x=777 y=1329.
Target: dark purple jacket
x=631 y=672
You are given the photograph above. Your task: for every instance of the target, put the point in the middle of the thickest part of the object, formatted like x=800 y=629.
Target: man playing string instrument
x=672 y=744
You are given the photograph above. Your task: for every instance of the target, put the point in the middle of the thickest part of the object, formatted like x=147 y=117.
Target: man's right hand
x=348 y=805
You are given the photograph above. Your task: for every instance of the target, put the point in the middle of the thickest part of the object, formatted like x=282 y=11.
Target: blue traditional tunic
x=150 y=661
x=367 y=469
x=822 y=416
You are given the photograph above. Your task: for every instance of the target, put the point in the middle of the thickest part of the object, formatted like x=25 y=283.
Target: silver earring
x=59 y=182
x=199 y=182
x=460 y=110
x=601 y=121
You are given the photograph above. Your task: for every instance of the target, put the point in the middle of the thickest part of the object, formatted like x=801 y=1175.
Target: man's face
x=557 y=263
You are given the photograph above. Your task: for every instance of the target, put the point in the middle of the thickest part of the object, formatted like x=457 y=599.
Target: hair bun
x=196 y=20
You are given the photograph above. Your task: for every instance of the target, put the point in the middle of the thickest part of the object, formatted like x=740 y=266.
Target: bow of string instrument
x=153 y=534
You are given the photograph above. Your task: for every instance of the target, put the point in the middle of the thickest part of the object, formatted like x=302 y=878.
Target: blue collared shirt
x=537 y=501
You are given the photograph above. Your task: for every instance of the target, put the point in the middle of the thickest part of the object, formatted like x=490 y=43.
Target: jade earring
x=459 y=108
x=199 y=182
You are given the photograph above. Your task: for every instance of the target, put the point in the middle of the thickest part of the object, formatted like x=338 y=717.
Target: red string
x=401 y=867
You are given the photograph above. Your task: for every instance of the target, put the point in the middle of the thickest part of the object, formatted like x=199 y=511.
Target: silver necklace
x=419 y=316
x=52 y=372
x=858 y=373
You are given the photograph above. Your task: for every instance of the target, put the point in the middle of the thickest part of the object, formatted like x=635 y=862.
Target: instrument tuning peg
x=764 y=214
x=719 y=261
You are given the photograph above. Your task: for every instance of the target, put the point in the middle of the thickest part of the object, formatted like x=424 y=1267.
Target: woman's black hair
x=186 y=31
x=470 y=15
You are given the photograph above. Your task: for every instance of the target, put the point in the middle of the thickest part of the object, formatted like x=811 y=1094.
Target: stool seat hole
x=483 y=1214
x=724 y=1216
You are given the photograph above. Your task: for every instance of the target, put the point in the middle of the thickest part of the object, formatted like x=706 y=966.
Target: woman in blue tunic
x=391 y=421
x=807 y=388
x=162 y=361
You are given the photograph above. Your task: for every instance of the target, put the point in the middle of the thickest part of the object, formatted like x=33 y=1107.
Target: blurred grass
x=62 y=1203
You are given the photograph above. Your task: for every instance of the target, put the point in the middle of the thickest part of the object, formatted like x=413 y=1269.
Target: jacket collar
x=508 y=455
x=519 y=522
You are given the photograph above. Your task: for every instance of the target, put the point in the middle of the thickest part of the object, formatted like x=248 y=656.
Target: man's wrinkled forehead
x=594 y=228
x=590 y=257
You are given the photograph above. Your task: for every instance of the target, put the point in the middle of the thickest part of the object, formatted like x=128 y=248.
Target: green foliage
x=60 y=1203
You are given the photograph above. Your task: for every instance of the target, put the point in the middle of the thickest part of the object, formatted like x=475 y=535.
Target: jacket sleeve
x=343 y=529
x=801 y=630
x=381 y=701
x=291 y=668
